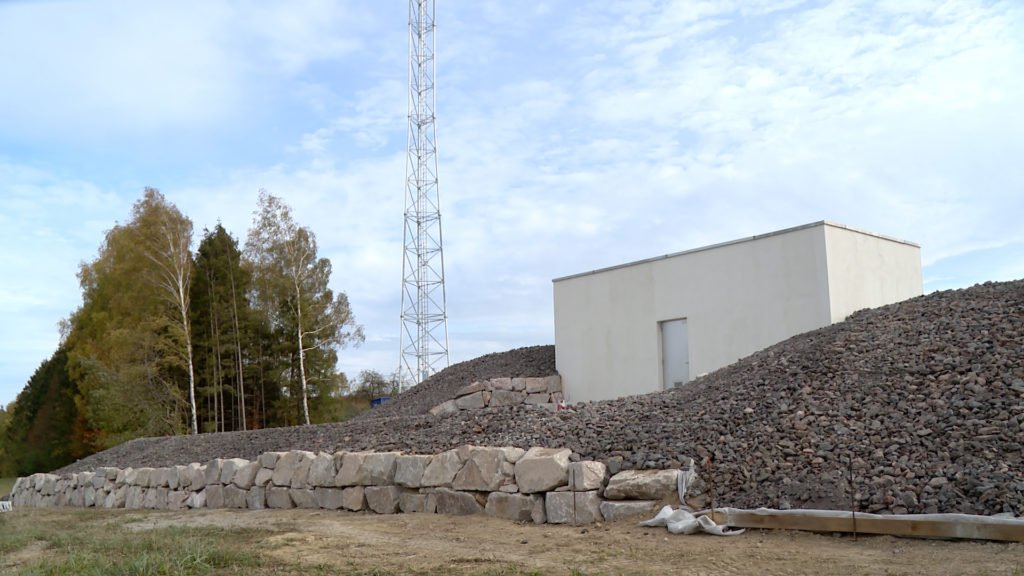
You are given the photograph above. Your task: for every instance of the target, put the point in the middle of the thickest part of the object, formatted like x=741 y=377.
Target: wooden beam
x=914 y=525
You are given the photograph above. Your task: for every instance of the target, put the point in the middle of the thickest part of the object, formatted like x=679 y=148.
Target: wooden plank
x=964 y=526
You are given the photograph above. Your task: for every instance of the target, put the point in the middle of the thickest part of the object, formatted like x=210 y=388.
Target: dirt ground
x=415 y=543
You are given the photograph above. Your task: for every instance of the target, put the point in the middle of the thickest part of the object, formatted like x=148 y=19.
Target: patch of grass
x=86 y=543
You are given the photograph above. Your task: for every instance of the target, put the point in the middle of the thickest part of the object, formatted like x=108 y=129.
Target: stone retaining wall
x=544 y=391
x=537 y=485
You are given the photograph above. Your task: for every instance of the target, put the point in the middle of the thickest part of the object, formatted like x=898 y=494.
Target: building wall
x=738 y=298
x=867 y=270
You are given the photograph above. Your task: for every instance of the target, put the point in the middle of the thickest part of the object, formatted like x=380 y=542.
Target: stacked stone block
x=543 y=391
x=537 y=485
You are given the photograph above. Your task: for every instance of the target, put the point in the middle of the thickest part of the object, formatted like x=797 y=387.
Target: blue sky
x=572 y=135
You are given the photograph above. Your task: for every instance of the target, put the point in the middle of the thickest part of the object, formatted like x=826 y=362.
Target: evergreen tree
x=40 y=433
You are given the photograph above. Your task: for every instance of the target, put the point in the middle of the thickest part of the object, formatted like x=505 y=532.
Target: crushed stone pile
x=418 y=400
x=909 y=408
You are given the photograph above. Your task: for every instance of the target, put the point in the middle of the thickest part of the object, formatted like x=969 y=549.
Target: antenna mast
x=423 y=339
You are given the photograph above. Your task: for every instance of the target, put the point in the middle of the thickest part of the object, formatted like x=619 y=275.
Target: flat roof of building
x=741 y=240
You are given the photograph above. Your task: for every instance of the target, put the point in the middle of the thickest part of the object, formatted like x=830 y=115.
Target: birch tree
x=165 y=236
x=291 y=287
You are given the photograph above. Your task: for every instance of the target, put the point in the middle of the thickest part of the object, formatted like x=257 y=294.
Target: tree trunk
x=238 y=351
x=302 y=361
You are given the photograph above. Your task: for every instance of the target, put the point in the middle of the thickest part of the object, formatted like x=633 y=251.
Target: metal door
x=675 y=353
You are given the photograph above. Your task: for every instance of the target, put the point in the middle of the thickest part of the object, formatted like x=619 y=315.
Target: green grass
x=85 y=543
x=5 y=486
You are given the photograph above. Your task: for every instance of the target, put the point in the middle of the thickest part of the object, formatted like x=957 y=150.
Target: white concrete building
x=657 y=323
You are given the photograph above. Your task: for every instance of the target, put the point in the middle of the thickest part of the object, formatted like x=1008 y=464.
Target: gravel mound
x=520 y=362
x=913 y=407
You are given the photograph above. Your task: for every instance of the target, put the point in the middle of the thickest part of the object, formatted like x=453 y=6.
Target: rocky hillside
x=912 y=407
x=418 y=400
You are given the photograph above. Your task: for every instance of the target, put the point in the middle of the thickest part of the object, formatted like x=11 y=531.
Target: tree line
x=170 y=341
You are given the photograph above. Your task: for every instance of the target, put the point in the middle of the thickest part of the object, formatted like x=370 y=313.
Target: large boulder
x=300 y=478
x=279 y=497
x=177 y=499
x=197 y=500
x=613 y=510
x=412 y=502
x=322 y=470
x=442 y=469
x=516 y=507
x=234 y=497
x=230 y=467
x=473 y=401
x=211 y=472
x=304 y=498
x=409 y=469
x=214 y=496
x=445 y=408
x=456 y=503
x=256 y=498
x=348 y=472
x=383 y=499
x=245 y=477
x=263 y=477
x=378 y=469
x=642 y=485
x=353 y=498
x=573 y=507
x=586 y=476
x=328 y=498
x=542 y=469
x=288 y=466
x=507 y=398
x=482 y=472
x=269 y=459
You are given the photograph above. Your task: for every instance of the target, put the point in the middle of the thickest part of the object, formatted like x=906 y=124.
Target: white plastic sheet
x=683 y=521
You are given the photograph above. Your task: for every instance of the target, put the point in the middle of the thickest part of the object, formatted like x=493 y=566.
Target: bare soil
x=433 y=544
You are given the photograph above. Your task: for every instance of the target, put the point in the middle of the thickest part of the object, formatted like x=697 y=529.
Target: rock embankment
x=913 y=407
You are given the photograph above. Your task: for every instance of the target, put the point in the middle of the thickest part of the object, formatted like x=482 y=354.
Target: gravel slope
x=921 y=402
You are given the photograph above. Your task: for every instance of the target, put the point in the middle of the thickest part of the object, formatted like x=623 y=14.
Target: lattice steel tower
x=424 y=333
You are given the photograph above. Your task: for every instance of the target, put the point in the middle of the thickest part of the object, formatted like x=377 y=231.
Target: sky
x=572 y=135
